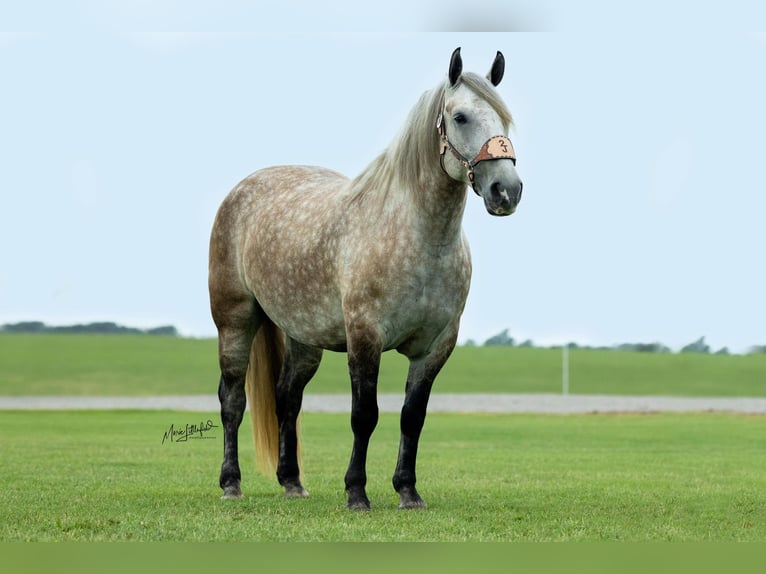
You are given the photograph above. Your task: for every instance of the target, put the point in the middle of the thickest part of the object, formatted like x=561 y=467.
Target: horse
x=303 y=259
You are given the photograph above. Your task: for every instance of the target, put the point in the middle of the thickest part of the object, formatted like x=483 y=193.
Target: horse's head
x=473 y=126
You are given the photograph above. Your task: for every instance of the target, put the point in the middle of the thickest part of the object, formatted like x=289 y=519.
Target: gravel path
x=392 y=403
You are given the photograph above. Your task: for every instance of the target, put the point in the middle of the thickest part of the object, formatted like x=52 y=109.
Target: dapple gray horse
x=303 y=259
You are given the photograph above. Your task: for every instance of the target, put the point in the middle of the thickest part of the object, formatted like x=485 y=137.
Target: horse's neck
x=439 y=205
x=421 y=197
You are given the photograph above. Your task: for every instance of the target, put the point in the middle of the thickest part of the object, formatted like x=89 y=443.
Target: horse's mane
x=413 y=155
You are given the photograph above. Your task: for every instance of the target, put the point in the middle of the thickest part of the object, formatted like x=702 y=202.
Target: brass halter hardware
x=496 y=147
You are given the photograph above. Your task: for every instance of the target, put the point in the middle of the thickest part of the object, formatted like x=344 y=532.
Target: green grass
x=142 y=365
x=106 y=476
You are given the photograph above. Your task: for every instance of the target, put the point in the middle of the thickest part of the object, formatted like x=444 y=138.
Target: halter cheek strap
x=496 y=147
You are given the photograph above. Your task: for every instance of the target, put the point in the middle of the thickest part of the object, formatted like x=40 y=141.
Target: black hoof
x=295 y=491
x=409 y=499
x=357 y=500
x=231 y=492
x=359 y=505
x=412 y=504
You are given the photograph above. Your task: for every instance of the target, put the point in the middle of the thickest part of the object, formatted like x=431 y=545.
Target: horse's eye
x=460 y=119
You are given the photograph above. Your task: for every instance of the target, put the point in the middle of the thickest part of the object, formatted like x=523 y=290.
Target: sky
x=640 y=143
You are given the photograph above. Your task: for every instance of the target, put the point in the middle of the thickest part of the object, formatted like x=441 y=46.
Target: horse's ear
x=498 y=69
x=455 y=67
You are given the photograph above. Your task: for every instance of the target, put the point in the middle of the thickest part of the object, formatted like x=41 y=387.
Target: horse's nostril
x=498 y=190
x=501 y=192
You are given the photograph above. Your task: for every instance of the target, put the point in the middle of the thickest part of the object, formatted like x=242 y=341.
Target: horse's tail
x=266 y=357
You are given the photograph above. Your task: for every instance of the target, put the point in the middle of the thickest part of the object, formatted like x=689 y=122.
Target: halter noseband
x=496 y=147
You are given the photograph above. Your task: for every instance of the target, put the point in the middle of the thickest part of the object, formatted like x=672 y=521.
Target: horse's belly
x=317 y=323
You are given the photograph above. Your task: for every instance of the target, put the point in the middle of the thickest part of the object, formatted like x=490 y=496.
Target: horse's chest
x=412 y=297
x=434 y=295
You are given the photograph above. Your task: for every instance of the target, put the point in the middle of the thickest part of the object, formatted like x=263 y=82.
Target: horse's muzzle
x=502 y=197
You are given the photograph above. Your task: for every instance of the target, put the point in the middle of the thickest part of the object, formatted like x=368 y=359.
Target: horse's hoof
x=296 y=491
x=359 y=505
x=357 y=499
x=413 y=504
x=231 y=493
x=410 y=499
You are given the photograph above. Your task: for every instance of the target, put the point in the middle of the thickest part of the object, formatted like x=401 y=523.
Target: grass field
x=142 y=365
x=107 y=476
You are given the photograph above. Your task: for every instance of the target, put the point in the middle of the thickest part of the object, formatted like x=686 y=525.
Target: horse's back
x=284 y=187
x=284 y=203
x=271 y=194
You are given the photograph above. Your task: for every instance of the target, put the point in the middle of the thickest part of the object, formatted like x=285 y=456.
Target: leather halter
x=496 y=147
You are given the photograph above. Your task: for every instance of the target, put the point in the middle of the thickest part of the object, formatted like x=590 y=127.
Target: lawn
x=108 y=476
x=145 y=365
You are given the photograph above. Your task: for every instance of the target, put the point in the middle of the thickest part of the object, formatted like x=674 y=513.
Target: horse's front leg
x=420 y=378
x=364 y=351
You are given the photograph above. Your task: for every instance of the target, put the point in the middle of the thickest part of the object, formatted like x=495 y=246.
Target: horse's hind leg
x=300 y=364
x=235 y=337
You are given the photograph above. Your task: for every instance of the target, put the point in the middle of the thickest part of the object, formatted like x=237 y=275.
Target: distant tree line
x=103 y=328
x=504 y=339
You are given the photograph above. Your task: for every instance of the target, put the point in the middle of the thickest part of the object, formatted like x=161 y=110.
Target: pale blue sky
x=642 y=154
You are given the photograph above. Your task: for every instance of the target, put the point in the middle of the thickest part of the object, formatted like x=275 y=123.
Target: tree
x=698 y=346
x=165 y=331
x=102 y=328
x=502 y=339
x=643 y=347
x=25 y=327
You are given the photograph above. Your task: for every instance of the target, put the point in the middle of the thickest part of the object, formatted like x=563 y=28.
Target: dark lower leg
x=420 y=379
x=231 y=393
x=233 y=354
x=412 y=420
x=364 y=419
x=364 y=364
x=301 y=362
